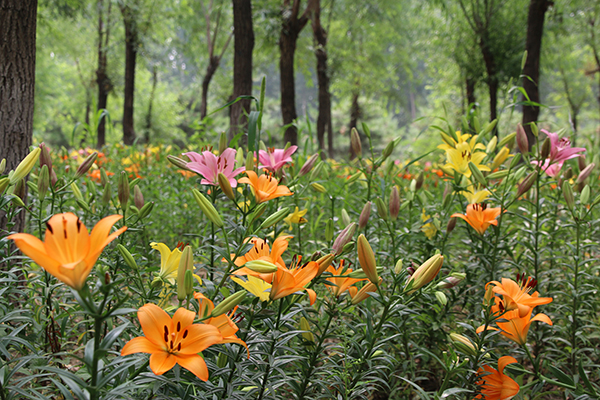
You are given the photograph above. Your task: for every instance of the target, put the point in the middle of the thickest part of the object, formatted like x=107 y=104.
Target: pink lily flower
x=209 y=166
x=274 y=159
x=560 y=151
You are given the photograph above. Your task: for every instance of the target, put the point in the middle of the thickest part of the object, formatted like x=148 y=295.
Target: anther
x=185 y=333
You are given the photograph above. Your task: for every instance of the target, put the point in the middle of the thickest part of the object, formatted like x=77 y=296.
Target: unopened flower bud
x=585 y=195
x=476 y=173
x=2 y=166
x=343 y=238
x=425 y=273
x=86 y=165
x=308 y=165
x=138 y=197
x=127 y=257
x=387 y=151
x=581 y=162
x=329 y=230
x=345 y=217
x=410 y=271
x=324 y=262
x=363 y=293
x=222 y=360
x=305 y=326
x=25 y=166
x=363 y=219
x=450 y=282
x=500 y=158
x=239 y=157
x=4 y=184
x=178 y=162
x=451 y=225
x=568 y=174
x=186 y=263
x=207 y=208
x=45 y=158
x=355 y=143
x=261 y=266
x=381 y=209
x=353 y=178
x=419 y=182
x=398 y=267
x=106 y=195
x=441 y=298
x=491 y=146
x=489 y=294
x=522 y=141
x=76 y=191
x=275 y=218
x=318 y=187
x=249 y=161
x=508 y=140
x=225 y=186
x=222 y=142
x=527 y=183
x=568 y=194
x=366 y=258
x=447 y=139
x=229 y=303
x=43 y=182
x=413 y=185
x=19 y=192
x=583 y=175
x=123 y=189
x=394 y=203
x=463 y=344
x=546 y=146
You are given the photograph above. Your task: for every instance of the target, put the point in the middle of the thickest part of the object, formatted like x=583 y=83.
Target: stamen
x=178 y=326
x=185 y=333
x=49 y=228
x=78 y=225
x=179 y=347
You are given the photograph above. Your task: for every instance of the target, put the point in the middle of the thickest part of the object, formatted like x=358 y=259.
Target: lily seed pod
x=222 y=142
x=3 y=165
x=308 y=165
x=127 y=257
x=86 y=165
x=507 y=140
x=318 y=187
x=307 y=334
x=420 y=180
x=329 y=230
x=355 y=143
x=568 y=194
x=366 y=258
x=583 y=175
x=581 y=162
x=229 y=303
x=522 y=141
x=491 y=146
x=387 y=151
x=363 y=219
x=425 y=273
x=477 y=174
x=527 y=184
x=178 y=162
x=207 y=208
x=441 y=298
x=186 y=263
x=585 y=195
x=225 y=186
x=451 y=225
x=25 y=166
x=381 y=209
x=138 y=197
x=123 y=189
x=107 y=194
x=546 y=147
x=398 y=267
x=261 y=266
x=324 y=262
x=463 y=344
x=275 y=218
x=345 y=217
x=343 y=238
x=394 y=203
x=43 y=182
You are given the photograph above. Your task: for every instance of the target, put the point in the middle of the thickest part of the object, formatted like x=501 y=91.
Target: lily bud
x=275 y=218
x=489 y=127
x=355 y=143
x=446 y=138
x=324 y=262
x=4 y=184
x=123 y=189
x=500 y=158
x=366 y=258
x=249 y=161
x=329 y=230
x=76 y=191
x=138 y=197
x=186 y=263
x=345 y=217
x=19 y=191
x=261 y=266
x=527 y=183
x=583 y=175
x=522 y=141
x=477 y=174
x=568 y=194
x=425 y=273
x=491 y=146
x=381 y=209
x=463 y=344
x=410 y=271
x=441 y=298
x=239 y=157
x=394 y=203
x=413 y=185
x=2 y=166
x=363 y=219
x=581 y=162
x=451 y=225
x=86 y=165
x=318 y=187
x=178 y=162
x=546 y=147
x=506 y=140
x=387 y=151
x=146 y=210
x=43 y=182
x=225 y=186
x=207 y=208
x=353 y=178
x=361 y=274
x=419 y=182
x=363 y=293
x=569 y=174
x=229 y=303
x=307 y=334
x=585 y=195
x=25 y=166
x=45 y=158
x=106 y=195
x=222 y=143
x=222 y=360
x=489 y=294
x=451 y=281
x=127 y=257
x=398 y=267
x=343 y=238
x=308 y=165
x=188 y=282
x=316 y=172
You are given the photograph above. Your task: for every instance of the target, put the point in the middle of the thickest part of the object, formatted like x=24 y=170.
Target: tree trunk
x=213 y=64
x=355 y=112
x=242 y=65
x=531 y=69
x=492 y=79
x=17 y=79
x=471 y=100
x=151 y=100
x=131 y=42
x=324 y=118
x=102 y=79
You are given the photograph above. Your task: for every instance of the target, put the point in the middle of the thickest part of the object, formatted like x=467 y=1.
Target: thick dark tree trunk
x=355 y=112
x=131 y=42
x=242 y=64
x=324 y=118
x=290 y=29
x=531 y=69
x=471 y=100
x=102 y=79
x=17 y=79
x=213 y=64
x=151 y=100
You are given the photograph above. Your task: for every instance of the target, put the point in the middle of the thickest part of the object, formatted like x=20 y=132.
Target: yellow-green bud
x=2 y=165
x=441 y=298
x=345 y=217
x=261 y=266
x=43 y=182
x=324 y=262
x=534 y=129
x=477 y=174
x=123 y=189
x=127 y=257
x=546 y=147
x=222 y=360
x=381 y=209
x=258 y=212
x=146 y=210
x=585 y=195
x=316 y=172
x=498 y=174
x=178 y=162
x=186 y=263
x=425 y=273
x=275 y=218
x=229 y=303
x=329 y=230
x=449 y=141
x=222 y=142
x=353 y=178
x=307 y=334
x=107 y=194
x=398 y=266
x=103 y=177
x=387 y=151
x=249 y=161
x=355 y=143
x=189 y=283
x=500 y=158
x=318 y=187
x=527 y=183
x=207 y=208
x=25 y=166
x=491 y=146
x=507 y=140
x=489 y=127
x=225 y=186
x=76 y=191
x=239 y=157
x=463 y=344
x=4 y=184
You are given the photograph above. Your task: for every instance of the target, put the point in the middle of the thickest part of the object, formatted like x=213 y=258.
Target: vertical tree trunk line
x=131 y=44
x=150 y=102
x=492 y=78
x=102 y=79
x=470 y=86
x=17 y=84
x=531 y=69
x=242 y=64
x=355 y=113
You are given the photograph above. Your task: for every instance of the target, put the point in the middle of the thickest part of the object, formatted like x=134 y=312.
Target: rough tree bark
x=291 y=26
x=17 y=83
x=324 y=118
x=104 y=83
x=531 y=69
x=131 y=45
x=243 y=44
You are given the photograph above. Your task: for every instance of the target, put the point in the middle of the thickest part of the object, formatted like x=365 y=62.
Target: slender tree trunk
x=102 y=79
x=213 y=64
x=149 y=114
x=355 y=112
x=531 y=69
x=242 y=64
x=471 y=100
x=324 y=118
x=17 y=83
x=492 y=79
x=131 y=42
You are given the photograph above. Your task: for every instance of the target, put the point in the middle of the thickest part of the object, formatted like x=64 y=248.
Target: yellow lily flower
x=474 y=194
x=461 y=139
x=429 y=229
x=297 y=217
x=458 y=158
x=169 y=262
x=254 y=285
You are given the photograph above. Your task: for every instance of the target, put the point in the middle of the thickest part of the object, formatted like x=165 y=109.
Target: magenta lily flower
x=274 y=159
x=209 y=166
x=560 y=151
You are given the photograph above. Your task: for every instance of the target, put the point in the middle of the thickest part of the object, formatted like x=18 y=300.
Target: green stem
x=95 y=359
x=268 y=370
x=575 y=302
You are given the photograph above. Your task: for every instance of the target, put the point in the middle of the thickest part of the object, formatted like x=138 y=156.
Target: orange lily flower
x=261 y=251
x=480 y=217
x=365 y=292
x=265 y=187
x=173 y=341
x=517 y=296
x=223 y=322
x=515 y=328
x=340 y=285
x=68 y=252
x=290 y=281
x=495 y=385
